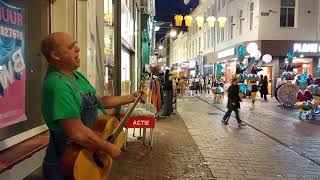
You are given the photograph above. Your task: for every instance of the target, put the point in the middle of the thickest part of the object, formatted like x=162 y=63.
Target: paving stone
x=174 y=155
x=246 y=149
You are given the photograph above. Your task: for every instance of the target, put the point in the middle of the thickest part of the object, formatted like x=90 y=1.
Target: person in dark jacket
x=233 y=103
x=264 y=87
x=168 y=92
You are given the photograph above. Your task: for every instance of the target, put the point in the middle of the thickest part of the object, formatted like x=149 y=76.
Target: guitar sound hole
x=111 y=139
x=97 y=160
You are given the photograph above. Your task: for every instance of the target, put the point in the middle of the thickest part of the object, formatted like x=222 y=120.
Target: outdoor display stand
x=142 y=123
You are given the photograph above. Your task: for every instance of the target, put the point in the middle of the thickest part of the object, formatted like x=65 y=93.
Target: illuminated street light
x=173 y=33
x=160 y=47
x=156 y=28
x=222 y=21
x=211 y=20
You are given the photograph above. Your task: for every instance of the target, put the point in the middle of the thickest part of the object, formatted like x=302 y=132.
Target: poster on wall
x=12 y=65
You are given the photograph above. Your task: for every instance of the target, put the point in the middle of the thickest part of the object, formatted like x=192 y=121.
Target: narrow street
x=194 y=144
x=260 y=150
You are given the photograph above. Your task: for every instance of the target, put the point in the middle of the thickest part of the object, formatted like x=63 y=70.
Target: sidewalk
x=174 y=156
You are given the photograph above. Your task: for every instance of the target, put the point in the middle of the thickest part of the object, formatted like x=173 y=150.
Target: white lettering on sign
x=306 y=47
x=141 y=122
x=226 y=53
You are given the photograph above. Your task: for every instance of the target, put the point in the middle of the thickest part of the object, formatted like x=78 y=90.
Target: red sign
x=141 y=122
x=183 y=69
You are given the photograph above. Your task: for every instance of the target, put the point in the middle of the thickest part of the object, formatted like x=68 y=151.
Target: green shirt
x=59 y=100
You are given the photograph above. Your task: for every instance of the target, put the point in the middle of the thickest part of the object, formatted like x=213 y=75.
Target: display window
x=108 y=45
x=22 y=68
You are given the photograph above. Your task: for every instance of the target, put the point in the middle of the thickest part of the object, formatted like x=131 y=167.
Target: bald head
x=51 y=43
x=61 y=51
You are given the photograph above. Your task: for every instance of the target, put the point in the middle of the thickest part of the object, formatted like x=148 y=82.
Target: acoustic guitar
x=82 y=164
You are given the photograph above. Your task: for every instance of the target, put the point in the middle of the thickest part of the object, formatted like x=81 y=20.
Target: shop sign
x=140 y=122
x=226 y=53
x=12 y=65
x=306 y=47
x=265 y=13
x=185 y=64
x=127 y=24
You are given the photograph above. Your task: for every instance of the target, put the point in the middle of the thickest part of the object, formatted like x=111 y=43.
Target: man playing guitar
x=70 y=104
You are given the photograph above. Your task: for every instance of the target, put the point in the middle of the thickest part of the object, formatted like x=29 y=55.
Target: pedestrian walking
x=201 y=85
x=208 y=85
x=233 y=103
x=196 y=84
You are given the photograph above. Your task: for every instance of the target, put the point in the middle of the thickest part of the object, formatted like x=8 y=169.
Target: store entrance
x=267 y=71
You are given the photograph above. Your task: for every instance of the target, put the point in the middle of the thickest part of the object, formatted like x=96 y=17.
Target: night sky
x=167 y=9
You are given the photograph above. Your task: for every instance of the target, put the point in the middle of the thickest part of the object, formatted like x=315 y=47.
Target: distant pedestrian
x=264 y=88
x=196 y=85
x=309 y=80
x=233 y=103
x=201 y=85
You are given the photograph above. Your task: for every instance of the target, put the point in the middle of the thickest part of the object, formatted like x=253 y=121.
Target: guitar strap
x=76 y=87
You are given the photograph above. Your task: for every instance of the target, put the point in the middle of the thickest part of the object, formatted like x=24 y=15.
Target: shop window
x=35 y=25
x=108 y=45
x=287 y=13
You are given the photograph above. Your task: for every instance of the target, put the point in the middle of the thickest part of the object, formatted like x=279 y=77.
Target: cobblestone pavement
x=174 y=156
x=246 y=153
x=282 y=124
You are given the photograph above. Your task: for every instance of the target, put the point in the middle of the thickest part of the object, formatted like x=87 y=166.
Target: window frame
x=251 y=8
x=241 y=21
x=286 y=8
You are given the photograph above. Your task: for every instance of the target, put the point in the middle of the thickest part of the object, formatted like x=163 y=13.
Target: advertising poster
x=12 y=65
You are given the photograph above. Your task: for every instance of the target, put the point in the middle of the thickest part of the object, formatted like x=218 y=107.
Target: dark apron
x=58 y=142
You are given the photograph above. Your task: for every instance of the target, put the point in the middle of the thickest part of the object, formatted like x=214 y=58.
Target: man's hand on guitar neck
x=143 y=97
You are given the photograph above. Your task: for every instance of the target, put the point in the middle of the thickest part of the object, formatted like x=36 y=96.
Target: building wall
x=233 y=9
x=306 y=24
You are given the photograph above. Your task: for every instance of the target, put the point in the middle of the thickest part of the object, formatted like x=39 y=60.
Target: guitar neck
x=126 y=117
